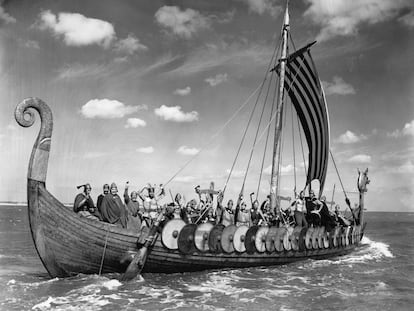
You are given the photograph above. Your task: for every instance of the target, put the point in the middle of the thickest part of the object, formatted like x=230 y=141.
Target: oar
x=137 y=264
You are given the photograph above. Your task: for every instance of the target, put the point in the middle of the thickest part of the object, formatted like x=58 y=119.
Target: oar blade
x=136 y=265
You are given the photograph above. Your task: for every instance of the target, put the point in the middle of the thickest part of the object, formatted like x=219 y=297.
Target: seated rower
x=84 y=205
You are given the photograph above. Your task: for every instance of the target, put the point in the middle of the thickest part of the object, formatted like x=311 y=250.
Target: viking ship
x=68 y=244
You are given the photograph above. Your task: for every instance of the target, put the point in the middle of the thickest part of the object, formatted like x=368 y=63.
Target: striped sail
x=305 y=91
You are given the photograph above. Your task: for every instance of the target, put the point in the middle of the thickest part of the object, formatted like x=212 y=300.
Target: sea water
x=378 y=275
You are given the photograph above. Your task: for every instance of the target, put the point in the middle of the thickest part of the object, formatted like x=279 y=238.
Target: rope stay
x=293 y=147
x=213 y=136
x=272 y=60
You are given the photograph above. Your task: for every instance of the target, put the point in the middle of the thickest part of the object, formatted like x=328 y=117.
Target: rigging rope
x=213 y=136
x=104 y=250
x=267 y=137
x=293 y=147
x=342 y=185
x=275 y=51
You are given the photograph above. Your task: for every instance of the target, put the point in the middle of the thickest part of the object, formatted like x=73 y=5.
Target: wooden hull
x=69 y=244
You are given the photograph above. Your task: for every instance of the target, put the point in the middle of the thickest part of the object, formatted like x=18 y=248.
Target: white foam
x=378 y=247
x=111 y=284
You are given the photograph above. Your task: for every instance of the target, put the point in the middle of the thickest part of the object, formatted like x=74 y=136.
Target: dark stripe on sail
x=305 y=91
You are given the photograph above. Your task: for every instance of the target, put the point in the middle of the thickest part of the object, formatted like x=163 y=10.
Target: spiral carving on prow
x=40 y=153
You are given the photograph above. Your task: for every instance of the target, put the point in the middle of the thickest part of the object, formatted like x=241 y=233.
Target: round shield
x=170 y=232
x=325 y=239
x=270 y=239
x=280 y=232
x=335 y=236
x=186 y=239
x=214 y=239
x=302 y=235
x=227 y=238
x=357 y=232
x=350 y=234
x=201 y=236
x=315 y=235
x=342 y=236
x=238 y=239
x=260 y=239
x=308 y=237
x=250 y=239
x=287 y=244
x=294 y=238
x=321 y=232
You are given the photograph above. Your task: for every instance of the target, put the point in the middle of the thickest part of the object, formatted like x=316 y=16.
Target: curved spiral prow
x=40 y=153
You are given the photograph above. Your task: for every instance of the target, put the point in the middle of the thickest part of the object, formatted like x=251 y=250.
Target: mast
x=274 y=185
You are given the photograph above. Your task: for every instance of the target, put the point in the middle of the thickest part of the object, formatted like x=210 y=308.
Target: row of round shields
x=206 y=237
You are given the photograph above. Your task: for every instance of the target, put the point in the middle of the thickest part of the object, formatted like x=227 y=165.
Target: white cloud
x=408 y=130
x=407 y=167
x=77 y=29
x=219 y=78
x=147 y=150
x=175 y=114
x=130 y=45
x=30 y=44
x=135 y=122
x=338 y=17
x=338 y=86
x=184 y=150
x=263 y=6
x=285 y=170
x=407 y=19
x=183 y=92
x=6 y=17
x=349 y=138
x=182 y=23
x=360 y=158
x=77 y=70
x=107 y=109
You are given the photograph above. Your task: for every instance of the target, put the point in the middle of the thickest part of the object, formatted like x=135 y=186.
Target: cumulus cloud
x=183 y=92
x=349 y=138
x=77 y=29
x=184 y=150
x=135 y=122
x=338 y=86
x=129 y=45
x=407 y=130
x=360 y=158
x=184 y=179
x=407 y=167
x=147 y=150
x=6 y=17
x=107 y=109
x=184 y=23
x=175 y=114
x=263 y=6
x=236 y=173
x=219 y=78
x=344 y=17
x=285 y=170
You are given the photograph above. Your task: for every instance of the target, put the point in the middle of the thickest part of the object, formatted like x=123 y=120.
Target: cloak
x=113 y=210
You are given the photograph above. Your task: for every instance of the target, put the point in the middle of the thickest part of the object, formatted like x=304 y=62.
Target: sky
x=138 y=88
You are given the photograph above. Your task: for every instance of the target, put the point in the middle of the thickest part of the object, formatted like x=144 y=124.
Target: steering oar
x=137 y=264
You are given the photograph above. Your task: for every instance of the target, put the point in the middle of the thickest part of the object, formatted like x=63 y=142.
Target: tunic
x=227 y=218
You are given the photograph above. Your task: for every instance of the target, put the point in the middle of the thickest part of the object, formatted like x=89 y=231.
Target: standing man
x=113 y=210
x=101 y=196
x=300 y=210
x=132 y=204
